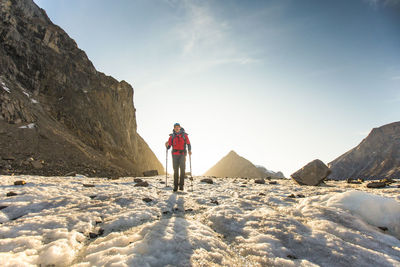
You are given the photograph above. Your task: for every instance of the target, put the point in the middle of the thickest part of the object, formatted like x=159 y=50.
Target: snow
x=50 y=220
x=29 y=126
x=6 y=89
x=26 y=93
x=375 y=210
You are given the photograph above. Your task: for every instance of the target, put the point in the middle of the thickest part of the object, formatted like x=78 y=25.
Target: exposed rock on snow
x=311 y=174
x=137 y=180
x=376 y=185
x=207 y=180
x=259 y=181
x=142 y=184
x=11 y=194
x=20 y=182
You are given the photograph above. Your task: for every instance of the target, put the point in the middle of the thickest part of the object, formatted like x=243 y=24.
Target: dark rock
x=383 y=228
x=259 y=181
x=11 y=194
x=20 y=182
x=207 y=180
x=351 y=181
x=273 y=182
x=3 y=207
x=189 y=210
x=147 y=200
x=301 y=196
x=292 y=257
x=261 y=194
x=142 y=184
x=8 y=157
x=292 y=196
x=165 y=212
x=214 y=201
x=150 y=173
x=101 y=232
x=98 y=222
x=243 y=185
x=93 y=235
x=137 y=180
x=88 y=185
x=311 y=174
x=162 y=182
x=92 y=197
x=376 y=185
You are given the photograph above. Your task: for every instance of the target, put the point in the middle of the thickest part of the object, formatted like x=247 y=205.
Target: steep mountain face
x=74 y=111
x=377 y=156
x=233 y=165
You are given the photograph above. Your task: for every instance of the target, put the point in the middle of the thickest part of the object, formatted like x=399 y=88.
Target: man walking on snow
x=179 y=140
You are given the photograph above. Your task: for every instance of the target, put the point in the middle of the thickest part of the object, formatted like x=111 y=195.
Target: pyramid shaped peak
x=233 y=153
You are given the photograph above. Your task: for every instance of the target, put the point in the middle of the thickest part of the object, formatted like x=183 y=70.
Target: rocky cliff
x=79 y=118
x=376 y=157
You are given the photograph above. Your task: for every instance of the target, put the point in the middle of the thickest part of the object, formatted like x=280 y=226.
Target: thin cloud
x=205 y=37
x=376 y=3
x=396 y=78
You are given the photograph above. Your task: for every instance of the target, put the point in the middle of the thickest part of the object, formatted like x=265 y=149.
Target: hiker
x=179 y=140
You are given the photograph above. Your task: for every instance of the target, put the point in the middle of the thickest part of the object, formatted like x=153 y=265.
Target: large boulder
x=312 y=174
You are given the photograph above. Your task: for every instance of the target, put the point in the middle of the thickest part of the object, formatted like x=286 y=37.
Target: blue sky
x=280 y=82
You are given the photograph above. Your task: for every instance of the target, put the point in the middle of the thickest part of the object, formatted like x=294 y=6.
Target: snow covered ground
x=233 y=222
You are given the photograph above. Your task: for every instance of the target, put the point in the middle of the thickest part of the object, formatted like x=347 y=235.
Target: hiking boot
x=181 y=188
x=175 y=189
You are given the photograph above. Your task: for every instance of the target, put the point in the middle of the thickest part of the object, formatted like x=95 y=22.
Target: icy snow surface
x=29 y=126
x=228 y=223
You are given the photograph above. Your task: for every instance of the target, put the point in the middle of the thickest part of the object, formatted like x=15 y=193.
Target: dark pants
x=179 y=161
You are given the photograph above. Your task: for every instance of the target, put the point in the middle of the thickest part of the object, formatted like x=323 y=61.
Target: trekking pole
x=191 y=176
x=166 y=167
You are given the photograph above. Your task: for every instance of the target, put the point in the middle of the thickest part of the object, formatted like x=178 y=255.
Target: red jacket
x=178 y=144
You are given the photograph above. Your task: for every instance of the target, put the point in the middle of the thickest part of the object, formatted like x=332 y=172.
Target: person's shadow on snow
x=181 y=237
x=179 y=246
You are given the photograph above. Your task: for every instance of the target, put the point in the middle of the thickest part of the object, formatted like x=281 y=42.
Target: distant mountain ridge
x=270 y=173
x=376 y=157
x=233 y=165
